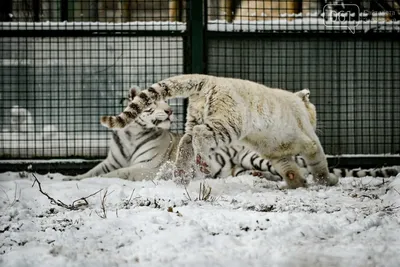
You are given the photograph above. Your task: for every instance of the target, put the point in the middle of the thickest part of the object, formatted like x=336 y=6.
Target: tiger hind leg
x=317 y=164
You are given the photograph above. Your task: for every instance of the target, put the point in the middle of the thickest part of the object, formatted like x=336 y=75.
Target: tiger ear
x=304 y=95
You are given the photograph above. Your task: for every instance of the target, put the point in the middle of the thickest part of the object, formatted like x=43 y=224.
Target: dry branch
x=204 y=192
x=103 y=213
x=75 y=204
x=187 y=194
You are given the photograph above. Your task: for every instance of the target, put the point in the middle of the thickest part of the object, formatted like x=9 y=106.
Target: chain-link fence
x=65 y=63
x=57 y=78
x=346 y=52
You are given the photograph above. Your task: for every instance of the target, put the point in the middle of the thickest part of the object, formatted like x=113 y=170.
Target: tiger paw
x=181 y=177
x=331 y=180
x=328 y=180
x=73 y=178
x=257 y=173
x=266 y=175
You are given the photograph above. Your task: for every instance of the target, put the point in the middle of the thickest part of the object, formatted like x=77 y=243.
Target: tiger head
x=156 y=115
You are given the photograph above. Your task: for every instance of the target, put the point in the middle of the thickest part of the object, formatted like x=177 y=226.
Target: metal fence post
x=64 y=10
x=196 y=32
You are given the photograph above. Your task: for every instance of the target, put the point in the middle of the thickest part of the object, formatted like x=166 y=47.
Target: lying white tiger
x=225 y=111
x=138 y=151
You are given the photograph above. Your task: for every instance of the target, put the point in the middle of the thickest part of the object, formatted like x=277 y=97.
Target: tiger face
x=156 y=115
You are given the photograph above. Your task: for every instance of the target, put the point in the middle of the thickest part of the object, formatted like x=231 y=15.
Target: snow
x=304 y=24
x=297 y=24
x=101 y=26
x=246 y=222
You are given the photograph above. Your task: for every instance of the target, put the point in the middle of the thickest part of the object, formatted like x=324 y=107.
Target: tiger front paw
x=181 y=177
x=121 y=173
x=73 y=178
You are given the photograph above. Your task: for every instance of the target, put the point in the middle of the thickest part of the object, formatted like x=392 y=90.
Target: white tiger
x=150 y=132
x=139 y=150
x=227 y=111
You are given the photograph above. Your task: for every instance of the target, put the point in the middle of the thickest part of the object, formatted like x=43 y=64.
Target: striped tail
x=182 y=85
x=358 y=173
x=384 y=172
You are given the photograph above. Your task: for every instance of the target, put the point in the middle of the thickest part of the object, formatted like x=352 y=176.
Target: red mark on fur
x=256 y=173
x=200 y=162
x=180 y=173
x=290 y=175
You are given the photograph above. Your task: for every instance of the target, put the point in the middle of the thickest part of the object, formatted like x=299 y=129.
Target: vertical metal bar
x=196 y=31
x=36 y=10
x=64 y=10
x=187 y=63
x=205 y=40
x=180 y=10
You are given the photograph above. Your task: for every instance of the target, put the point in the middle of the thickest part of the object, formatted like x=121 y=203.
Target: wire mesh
x=302 y=16
x=58 y=78
x=112 y=11
x=65 y=63
x=346 y=52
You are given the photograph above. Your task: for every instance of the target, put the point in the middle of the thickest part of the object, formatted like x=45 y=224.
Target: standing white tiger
x=139 y=150
x=227 y=111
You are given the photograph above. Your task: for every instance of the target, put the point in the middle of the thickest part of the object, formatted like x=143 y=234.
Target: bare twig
x=127 y=203
x=395 y=190
x=103 y=213
x=130 y=198
x=74 y=206
x=16 y=195
x=5 y=193
x=204 y=192
x=16 y=199
x=84 y=199
x=187 y=194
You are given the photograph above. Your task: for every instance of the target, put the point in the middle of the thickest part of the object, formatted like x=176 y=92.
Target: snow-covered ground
x=245 y=222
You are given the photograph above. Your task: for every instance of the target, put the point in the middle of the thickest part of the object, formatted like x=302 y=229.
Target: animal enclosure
x=65 y=63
